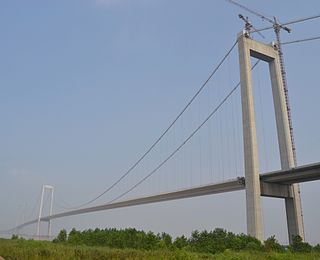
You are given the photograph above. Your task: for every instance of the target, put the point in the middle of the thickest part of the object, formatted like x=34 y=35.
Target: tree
x=271 y=244
x=75 y=237
x=164 y=240
x=299 y=246
x=247 y=242
x=151 y=241
x=14 y=237
x=180 y=242
x=62 y=236
x=316 y=248
x=167 y=239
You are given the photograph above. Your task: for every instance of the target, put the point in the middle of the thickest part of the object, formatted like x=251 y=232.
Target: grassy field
x=27 y=249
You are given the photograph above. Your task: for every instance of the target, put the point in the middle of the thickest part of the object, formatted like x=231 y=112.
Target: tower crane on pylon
x=248 y=25
x=277 y=28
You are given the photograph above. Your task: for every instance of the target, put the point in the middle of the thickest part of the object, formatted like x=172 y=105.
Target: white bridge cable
x=162 y=135
x=36 y=205
x=288 y=23
x=183 y=143
x=27 y=215
x=302 y=40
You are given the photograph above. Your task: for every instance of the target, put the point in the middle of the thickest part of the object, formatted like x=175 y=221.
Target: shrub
x=271 y=244
x=253 y=246
x=14 y=237
x=316 y=248
x=299 y=246
x=62 y=236
x=180 y=242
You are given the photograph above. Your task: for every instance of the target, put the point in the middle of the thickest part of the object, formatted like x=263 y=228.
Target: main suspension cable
x=162 y=135
x=288 y=23
x=183 y=143
x=302 y=40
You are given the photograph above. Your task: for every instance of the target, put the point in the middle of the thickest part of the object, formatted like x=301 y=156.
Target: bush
x=180 y=242
x=206 y=242
x=62 y=237
x=299 y=246
x=219 y=240
x=316 y=248
x=245 y=240
x=271 y=244
x=253 y=246
x=15 y=237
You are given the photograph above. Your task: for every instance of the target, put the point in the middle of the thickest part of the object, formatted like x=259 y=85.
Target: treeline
x=213 y=242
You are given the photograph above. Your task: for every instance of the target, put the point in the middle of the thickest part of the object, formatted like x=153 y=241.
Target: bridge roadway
x=299 y=174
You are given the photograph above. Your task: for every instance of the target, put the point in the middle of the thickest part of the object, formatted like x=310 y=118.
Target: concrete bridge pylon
x=250 y=48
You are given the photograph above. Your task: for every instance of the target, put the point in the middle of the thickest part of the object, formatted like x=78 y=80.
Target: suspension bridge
x=282 y=184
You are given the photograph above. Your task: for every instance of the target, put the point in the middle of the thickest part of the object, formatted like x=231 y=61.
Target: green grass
x=28 y=249
x=23 y=249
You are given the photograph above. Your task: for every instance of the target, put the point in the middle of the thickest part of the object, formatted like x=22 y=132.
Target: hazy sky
x=86 y=86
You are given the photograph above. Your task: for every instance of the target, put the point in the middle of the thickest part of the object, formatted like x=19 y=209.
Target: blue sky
x=86 y=86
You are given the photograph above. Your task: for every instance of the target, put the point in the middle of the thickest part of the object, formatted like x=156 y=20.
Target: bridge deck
x=305 y=173
x=299 y=174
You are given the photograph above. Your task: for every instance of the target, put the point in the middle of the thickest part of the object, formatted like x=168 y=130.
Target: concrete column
x=293 y=205
x=40 y=213
x=251 y=160
x=248 y=48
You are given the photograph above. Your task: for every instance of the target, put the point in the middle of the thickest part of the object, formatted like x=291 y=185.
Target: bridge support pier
x=44 y=188
x=249 y=48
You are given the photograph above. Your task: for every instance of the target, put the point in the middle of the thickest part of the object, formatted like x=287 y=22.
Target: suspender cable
x=183 y=143
x=162 y=135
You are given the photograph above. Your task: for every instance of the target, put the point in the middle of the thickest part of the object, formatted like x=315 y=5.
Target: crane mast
x=277 y=29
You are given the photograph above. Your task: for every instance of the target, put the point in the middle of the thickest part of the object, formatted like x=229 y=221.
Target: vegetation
x=271 y=244
x=299 y=246
x=20 y=249
x=134 y=244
